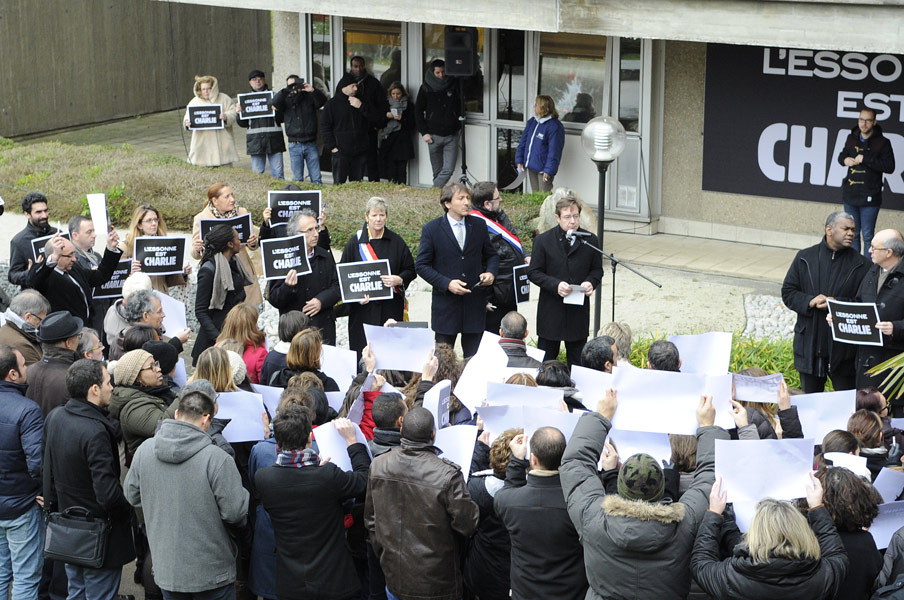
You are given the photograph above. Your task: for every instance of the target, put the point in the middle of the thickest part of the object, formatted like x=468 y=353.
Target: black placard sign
x=256 y=104
x=160 y=255
x=113 y=288
x=281 y=255
x=283 y=203
x=205 y=116
x=241 y=223
x=777 y=118
x=37 y=244
x=359 y=279
x=522 y=284
x=855 y=323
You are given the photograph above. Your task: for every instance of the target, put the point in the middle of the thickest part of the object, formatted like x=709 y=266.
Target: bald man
x=884 y=285
x=68 y=283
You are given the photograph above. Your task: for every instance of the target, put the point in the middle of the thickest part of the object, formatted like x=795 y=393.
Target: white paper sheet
x=536 y=418
x=666 y=402
x=174 y=322
x=340 y=364
x=897 y=423
x=756 y=469
x=180 y=376
x=457 y=445
x=629 y=443
x=436 y=400
x=244 y=409
x=821 y=413
x=335 y=400
x=744 y=512
x=400 y=348
x=577 y=295
x=535 y=397
x=270 y=396
x=708 y=353
x=97 y=205
x=889 y=483
x=333 y=446
x=535 y=353
x=499 y=419
x=591 y=383
x=856 y=464
x=889 y=521
x=757 y=389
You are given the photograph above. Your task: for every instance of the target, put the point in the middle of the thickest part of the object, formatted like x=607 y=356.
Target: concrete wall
x=75 y=62
x=687 y=209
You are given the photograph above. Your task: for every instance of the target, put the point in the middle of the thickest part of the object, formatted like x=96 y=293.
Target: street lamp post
x=603 y=139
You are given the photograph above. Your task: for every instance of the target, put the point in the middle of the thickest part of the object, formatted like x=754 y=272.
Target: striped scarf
x=297 y=458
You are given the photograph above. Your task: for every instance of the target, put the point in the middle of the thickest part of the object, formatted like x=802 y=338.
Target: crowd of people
x=366 y=127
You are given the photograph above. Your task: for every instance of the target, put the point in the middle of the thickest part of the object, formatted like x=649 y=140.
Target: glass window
x=321 y=49
x=506 y=146
x=510 y=86
x=379 y=42
x=629 y=84
x=472 y=87
x=572 y=72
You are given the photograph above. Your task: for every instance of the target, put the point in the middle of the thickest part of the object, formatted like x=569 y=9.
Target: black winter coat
x=370 y=91
x=509 y=258
x=547 y=557
x=73 y=292
x=47 y=378
x=890 y=303
x=862 y=186
x=551 y=264
x=298 y=111
x=865 y=565
x=397 y=146
x=264 y=135
x=81 y=451
x=393 y=248
x=210 y=321
x=348 y=128
x=281 y=378
x=740 y=578
x=437 y=113
x=321 y=283
x=814 y=351
x=20 y=252
x=313 y=561
x=487 y=564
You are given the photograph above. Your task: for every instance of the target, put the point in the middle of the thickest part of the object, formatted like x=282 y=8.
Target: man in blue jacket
x=21 y=522
x=457 y=258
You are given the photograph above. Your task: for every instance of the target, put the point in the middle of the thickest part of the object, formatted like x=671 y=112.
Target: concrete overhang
x=852 y=25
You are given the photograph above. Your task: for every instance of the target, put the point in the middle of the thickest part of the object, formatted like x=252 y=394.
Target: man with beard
x=370 y=90
x=34 y=205
x=436 y=113
x=264 y=139
x=831 y=269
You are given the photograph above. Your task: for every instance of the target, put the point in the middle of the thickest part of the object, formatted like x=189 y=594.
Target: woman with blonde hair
x=241 y=326
x=212 y=147
x=147 y=222
x=540 y=148
x=781 y=557
x=214 y=366
x=304 y=356
x=221 y=204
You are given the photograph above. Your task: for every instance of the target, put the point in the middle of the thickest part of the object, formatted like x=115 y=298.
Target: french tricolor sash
x=496 y=228
x=368 y=255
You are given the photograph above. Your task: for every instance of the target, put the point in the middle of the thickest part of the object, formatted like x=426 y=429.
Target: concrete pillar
x=286 y=47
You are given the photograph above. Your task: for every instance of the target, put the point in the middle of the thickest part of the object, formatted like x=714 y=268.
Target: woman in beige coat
x=221 y=205
x=212 y=147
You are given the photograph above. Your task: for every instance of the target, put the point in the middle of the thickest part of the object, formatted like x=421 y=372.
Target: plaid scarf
x=232 y=213
x=297 y=458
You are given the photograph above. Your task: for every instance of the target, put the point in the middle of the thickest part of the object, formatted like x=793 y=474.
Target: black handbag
x=75 y=537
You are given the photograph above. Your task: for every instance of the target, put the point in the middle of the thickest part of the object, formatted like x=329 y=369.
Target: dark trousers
x=372 y=157
x=573 y=349
x=469 y=342
x=811 y=384
x=348 y=168
x=494 y=317
x=397 y=171
x=226 y=592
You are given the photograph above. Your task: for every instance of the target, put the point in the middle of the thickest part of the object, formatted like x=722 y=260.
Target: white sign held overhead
x=457 y=444
x=708 y=353
x=436 y=400
x=97 y=205
x=245 y=413
x=821 y=413
x=333 y=446
x=400 y=348
x=755 y=469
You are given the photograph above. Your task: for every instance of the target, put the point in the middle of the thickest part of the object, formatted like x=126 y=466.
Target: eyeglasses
x=155 y=366
x=96 y=348
x=874 y=249
x=150 y=221
x=576 y=217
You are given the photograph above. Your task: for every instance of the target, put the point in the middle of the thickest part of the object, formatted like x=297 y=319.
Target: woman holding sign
x=221 y=204
x=146 y=222
x=212 y=147
x=222 y=280
x=371 y=243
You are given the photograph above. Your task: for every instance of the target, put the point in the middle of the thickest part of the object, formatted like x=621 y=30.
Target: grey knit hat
x=641 y=478
x=128 y=368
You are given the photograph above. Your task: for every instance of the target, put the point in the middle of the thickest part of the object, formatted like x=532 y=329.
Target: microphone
x=570 y=234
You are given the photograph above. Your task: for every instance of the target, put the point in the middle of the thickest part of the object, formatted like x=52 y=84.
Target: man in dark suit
x=560 y=265
x=66 y=282
x=457 y=258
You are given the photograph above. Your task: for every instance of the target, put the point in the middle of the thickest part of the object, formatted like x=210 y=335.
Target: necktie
x=460 y=234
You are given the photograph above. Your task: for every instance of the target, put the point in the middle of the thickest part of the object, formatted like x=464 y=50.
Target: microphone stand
x=615 y=262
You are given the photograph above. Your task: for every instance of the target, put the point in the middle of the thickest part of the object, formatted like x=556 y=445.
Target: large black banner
x=283 y=203
x=776 y=119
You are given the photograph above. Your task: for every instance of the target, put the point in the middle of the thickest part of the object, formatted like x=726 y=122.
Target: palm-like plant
x=893 y=384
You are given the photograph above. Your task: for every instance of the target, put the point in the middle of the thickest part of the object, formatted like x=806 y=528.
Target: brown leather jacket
x=418 y=514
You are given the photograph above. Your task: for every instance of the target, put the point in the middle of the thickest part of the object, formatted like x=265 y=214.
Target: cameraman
x=299 y=102
x=264 y=138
